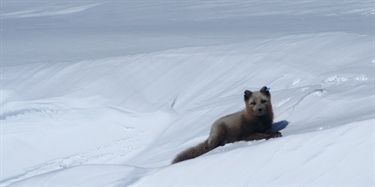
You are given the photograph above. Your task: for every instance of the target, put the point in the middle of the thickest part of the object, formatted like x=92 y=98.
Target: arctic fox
x=252 y=123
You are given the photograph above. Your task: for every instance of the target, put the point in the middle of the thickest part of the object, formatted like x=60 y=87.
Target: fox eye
x=263 y=101
x=253 y=103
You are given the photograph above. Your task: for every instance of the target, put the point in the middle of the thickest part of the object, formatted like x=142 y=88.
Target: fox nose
x=260 y=110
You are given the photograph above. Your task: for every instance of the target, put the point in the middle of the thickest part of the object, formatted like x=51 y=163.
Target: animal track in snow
x=361 y=78
x=30 y=112
x=117 y=148
x=352 y=79
x=336 y=79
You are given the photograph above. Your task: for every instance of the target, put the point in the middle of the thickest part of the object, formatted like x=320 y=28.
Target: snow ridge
x=106 y=94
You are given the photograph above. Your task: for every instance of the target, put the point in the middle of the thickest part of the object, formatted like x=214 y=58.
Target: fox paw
x=276 y=134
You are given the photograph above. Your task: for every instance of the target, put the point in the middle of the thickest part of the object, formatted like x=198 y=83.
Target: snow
x=107 y=94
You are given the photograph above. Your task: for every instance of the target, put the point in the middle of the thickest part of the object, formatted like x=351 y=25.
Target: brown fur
x=252 y=123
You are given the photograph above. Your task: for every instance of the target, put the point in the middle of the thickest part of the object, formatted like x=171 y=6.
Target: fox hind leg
x=217 y=137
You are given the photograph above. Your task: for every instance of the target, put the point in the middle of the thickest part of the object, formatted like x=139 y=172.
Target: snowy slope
x=114 y=107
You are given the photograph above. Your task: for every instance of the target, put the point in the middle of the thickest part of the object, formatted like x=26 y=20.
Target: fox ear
x=265 y=91
x=247 y=94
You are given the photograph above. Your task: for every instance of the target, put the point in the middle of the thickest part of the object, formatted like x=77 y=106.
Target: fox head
x=258 y=103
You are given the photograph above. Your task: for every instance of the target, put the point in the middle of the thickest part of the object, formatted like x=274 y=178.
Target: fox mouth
x=260 y=112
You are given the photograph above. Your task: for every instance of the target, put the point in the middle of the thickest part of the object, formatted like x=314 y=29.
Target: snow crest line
x=50 y=10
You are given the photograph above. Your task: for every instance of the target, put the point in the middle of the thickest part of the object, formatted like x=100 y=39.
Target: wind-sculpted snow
x=66 y=31
x=51 y=10
x=142 y=110
x=119 y=118
x=288 y=161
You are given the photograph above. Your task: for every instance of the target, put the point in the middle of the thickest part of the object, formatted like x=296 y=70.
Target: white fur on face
x=258 y=103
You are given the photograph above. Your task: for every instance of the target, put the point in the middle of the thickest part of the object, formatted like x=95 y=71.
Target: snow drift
x=118 y=119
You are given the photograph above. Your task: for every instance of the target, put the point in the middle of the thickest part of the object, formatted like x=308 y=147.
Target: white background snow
x=106 y=93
